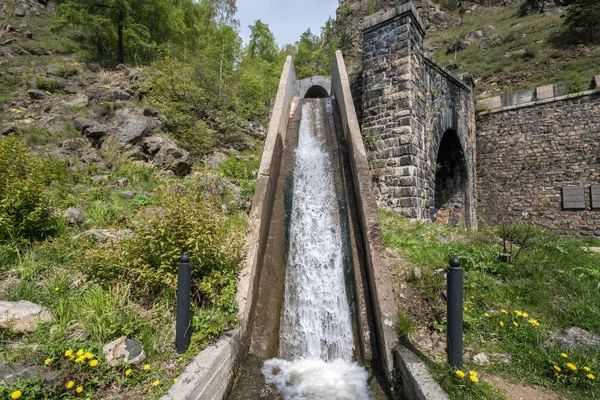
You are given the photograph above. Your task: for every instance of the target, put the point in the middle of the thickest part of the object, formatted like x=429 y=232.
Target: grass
x=554 y=282
x=529 y=51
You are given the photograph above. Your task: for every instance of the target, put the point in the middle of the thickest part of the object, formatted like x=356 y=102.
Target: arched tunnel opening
x=316 y=92
x=451 y=182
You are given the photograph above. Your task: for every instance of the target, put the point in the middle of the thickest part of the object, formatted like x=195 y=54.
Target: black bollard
x=455 y=314
x=184 y=283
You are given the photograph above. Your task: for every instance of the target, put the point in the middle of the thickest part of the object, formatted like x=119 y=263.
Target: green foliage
x=67 y=71
x=243 y=171
x=371 y=7
x=188 y=223
x=50 y=85
x=138 y=31
x=262 y=42
x=583 y=18
x=462 y=388
x=315 y=54
x=25 y=212
x=406 y=325
x=509 y=308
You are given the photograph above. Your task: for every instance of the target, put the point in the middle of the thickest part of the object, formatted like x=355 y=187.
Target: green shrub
x=185 y=223
x=67 y=71
x=243 y=171
x=25 y=212
x=50 y=85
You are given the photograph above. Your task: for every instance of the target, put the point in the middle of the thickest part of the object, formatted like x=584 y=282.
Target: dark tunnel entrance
x=316 y=92
x=451 y=182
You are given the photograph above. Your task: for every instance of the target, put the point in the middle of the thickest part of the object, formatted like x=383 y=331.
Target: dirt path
x=515 y=391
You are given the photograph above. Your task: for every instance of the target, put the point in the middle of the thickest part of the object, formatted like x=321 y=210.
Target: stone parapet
x=529 y=97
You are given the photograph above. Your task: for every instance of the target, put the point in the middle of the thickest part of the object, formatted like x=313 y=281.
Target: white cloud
x=287 y=19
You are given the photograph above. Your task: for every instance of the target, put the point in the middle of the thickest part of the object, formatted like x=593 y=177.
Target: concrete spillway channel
x=316 y=307
x=314 y=300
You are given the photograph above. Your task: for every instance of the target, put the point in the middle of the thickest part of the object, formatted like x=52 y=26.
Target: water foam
x=315 y=332
x=309 y=379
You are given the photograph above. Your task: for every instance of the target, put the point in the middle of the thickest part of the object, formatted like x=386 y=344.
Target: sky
x=287 y=19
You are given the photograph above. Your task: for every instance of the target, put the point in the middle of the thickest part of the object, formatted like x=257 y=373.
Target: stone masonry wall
x=408 y=103
x=527 y=154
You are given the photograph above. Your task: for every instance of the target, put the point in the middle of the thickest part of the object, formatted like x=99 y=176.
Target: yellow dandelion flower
x=56 y=289
x=79 y=389
x=71 y=357
x=93 y=363
x=486 y=314
x=519 y=313
x=534 y=322
x=472 y=373
x=155 y=383
x=80 y=359
x=175 y=380
x=504 y=311
x=146 y=367
x=501 y=323
x=564 y=355
x=460 y=374
x=69 y=384
x=89 y=355
x=68 y=353
x=47 y=361
x=80 y=352
x=515 y=323
x=474 y=379
x=572 y=367
x=557 y=368
x=525 y=315
x=16 y=394
x=591 y=376
x=180 y=359
x=466 y=308
x=587 y=369
x=127 y=372
x=48 y=92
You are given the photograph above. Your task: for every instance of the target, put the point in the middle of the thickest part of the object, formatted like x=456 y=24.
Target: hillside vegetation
x=508 y=52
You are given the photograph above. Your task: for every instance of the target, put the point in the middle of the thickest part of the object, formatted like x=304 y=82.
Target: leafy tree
x=314 y=54
x=262 y=42
x=133 y=28
x=583 y=17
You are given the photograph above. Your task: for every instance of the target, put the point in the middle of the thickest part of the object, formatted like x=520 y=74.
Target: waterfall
x=316 y=339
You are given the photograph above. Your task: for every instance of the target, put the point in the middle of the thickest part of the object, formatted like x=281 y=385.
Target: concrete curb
x=415 y=379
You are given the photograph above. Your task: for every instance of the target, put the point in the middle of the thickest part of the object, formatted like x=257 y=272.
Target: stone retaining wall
x=528 y=153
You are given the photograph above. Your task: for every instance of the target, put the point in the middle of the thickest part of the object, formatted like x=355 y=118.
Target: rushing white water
x=316 y=340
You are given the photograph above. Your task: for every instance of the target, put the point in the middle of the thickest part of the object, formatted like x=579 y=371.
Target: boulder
x=89 y=155
x=81 y=124
x=7 y=130
x=74 y=215
x=22 y=316
x=96 y=131
x=165 y=154
x=126 y=350
x=53 y=123
x=133 y=129
x=36 y=94
x=9 y=373
x=121 y=95
x=575 y=337
x=215 y=159
x=19 y=12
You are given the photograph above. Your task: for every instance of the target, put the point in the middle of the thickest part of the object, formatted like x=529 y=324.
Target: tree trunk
x=120 y=52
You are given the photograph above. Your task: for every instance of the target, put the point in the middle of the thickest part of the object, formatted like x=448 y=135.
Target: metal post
x=455 y=314
x=184 y=279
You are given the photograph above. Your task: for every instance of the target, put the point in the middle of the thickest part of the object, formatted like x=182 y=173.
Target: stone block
x=544 y=92
x=491 y=103
x=596 y=82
